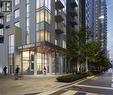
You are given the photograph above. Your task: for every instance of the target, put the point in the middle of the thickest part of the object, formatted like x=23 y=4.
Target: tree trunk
x=86 y=65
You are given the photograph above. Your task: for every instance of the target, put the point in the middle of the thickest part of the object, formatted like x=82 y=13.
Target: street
x=99 y=85
x=95 y=85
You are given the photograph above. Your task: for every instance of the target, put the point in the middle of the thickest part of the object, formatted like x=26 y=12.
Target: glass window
x=1 y=31
x=6 y=6
x=17 y=24
x=27 y=22
x=11 y=43
x=26 y=55
x=28 y=38
x=27 y=14
x=64 y=44
x=56 y=42
x=40 y=26
x=27 y=1
x=40 y=16
x=47 y=17
x=17 y=2
x=39 y=3
x=48 y=4
x=17 y=13
x=28 y=29
x=28 y=8
x=1 y=21
x=43 y=36
x=8 y=17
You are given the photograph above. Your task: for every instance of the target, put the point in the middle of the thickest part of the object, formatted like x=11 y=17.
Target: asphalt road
x=98 y=85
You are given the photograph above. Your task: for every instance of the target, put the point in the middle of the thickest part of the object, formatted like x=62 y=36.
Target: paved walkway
x=28 y=85
x=95 y=85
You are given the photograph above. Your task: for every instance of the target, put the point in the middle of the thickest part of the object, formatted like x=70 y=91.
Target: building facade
x=72 y=15
x=35 y=36
x=5 y=8
x=90 y=19
x=96 y=21
x=101 y=24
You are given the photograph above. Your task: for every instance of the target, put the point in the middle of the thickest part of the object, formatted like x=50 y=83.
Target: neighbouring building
x=5 y=7
x=90 y=19
x=33 y=33
x=72 y=15
x=35 y=37
x=96 y=21
x=101 y=24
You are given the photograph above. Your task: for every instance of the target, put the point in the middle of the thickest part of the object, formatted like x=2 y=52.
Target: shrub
x=73 y=77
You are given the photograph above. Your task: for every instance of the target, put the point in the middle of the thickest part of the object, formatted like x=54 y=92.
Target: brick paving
x=27 y=85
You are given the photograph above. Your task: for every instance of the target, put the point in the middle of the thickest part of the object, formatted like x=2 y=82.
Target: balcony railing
x=1 y=15
x=58 y=4
x=59 y=16
x=1 y=26
x=74 y=12
x=74 y=21
x=1 y=39
x=74 y=3
x=59 y=28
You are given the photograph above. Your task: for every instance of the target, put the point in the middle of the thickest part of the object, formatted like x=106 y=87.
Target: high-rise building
x=96 y=21
x=35 y=36
x=101 y=24
x=5 y=8
x=72 y=15
x=90 y=13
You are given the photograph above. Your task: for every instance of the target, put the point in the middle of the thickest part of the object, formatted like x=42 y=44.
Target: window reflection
x=45 y=3
x=11 y=43
x=41 y=16
x=17 y=13
x=43 y=36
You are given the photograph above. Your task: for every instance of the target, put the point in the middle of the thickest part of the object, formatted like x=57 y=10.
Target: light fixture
x=101 y=17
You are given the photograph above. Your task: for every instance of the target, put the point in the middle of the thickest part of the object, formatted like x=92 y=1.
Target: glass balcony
x=74 y=3
x=1 y=26
x=74 y=12
x=59 y=16
x=1 y=15
x=74 y=21
x=59 y=28
x=1 y=39
x=59 y=4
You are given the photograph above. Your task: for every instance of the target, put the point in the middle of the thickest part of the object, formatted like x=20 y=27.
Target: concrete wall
x=2 y=57
x=4 y=49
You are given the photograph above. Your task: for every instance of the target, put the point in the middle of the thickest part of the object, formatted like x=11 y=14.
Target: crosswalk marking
x=112 y=85
x=96 y=87
x=69 y=92
x=92 y=94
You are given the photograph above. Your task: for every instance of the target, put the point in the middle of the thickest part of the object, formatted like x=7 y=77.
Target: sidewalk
x=29 y=84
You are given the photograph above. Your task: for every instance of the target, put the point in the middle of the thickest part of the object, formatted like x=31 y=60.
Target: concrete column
x=50 y=64
x=65 y=65
x=61 y=65
x=35 y=64
x=78 y=67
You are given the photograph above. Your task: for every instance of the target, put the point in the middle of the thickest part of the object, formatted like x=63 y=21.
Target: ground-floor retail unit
x=39 y=58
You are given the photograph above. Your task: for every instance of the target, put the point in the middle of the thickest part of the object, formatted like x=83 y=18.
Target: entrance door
x=42 y=63
x=28 y=63
x=11 y=64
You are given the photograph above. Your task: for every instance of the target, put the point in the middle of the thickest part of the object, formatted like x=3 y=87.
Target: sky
x=110 y=27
